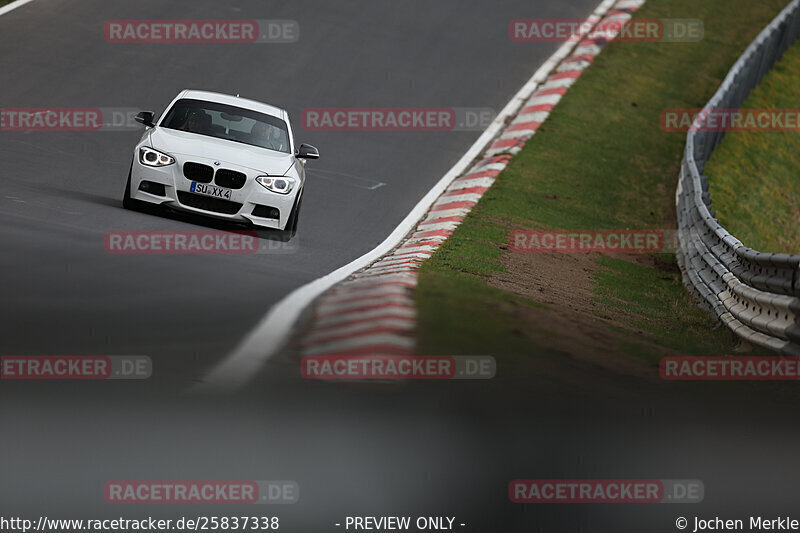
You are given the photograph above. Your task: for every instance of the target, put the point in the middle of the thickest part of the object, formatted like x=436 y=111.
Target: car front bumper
x=240 y=208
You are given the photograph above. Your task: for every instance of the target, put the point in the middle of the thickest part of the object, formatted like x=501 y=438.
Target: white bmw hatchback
x=220 y=156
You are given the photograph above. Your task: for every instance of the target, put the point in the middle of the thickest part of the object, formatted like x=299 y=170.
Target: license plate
x=210 y=190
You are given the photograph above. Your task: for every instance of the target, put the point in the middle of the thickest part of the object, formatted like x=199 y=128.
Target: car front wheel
x=127 y=201
x=291 y=224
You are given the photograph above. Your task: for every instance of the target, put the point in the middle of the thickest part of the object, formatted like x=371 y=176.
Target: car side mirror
x=306 y=151
x=146 y=118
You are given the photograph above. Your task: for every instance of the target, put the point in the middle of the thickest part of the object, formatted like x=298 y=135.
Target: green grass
x=472 y=325
x=600 y=161
x=754 y=177
x=653 y=299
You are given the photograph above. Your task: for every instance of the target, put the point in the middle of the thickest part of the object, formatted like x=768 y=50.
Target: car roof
x=234 y=101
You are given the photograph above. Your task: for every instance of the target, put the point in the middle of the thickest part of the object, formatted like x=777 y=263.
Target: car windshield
x=228 y=122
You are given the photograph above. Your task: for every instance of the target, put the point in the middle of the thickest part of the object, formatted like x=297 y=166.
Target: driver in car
x=267 y=136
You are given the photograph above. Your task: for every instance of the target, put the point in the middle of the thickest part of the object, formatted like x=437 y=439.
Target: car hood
x=230 y=152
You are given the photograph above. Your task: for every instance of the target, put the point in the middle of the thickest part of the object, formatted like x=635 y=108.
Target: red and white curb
x=372 y=312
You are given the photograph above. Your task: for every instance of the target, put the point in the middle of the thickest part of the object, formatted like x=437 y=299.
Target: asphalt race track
x=60 y=191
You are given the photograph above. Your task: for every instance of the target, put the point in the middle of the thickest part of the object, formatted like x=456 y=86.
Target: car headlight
x=154 y=158
x=280 y=185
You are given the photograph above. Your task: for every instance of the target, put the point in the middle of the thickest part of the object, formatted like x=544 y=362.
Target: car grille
x=206 y=203
x=198 y=172
x=230 y=179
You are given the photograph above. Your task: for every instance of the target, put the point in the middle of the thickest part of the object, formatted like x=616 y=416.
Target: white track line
x=13 y=5
x=274 y=329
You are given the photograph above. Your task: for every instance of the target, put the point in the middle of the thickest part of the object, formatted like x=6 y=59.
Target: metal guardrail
x=755 y=294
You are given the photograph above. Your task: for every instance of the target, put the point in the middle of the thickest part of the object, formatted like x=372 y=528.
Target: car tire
x=291 y=225
x=127 y=201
